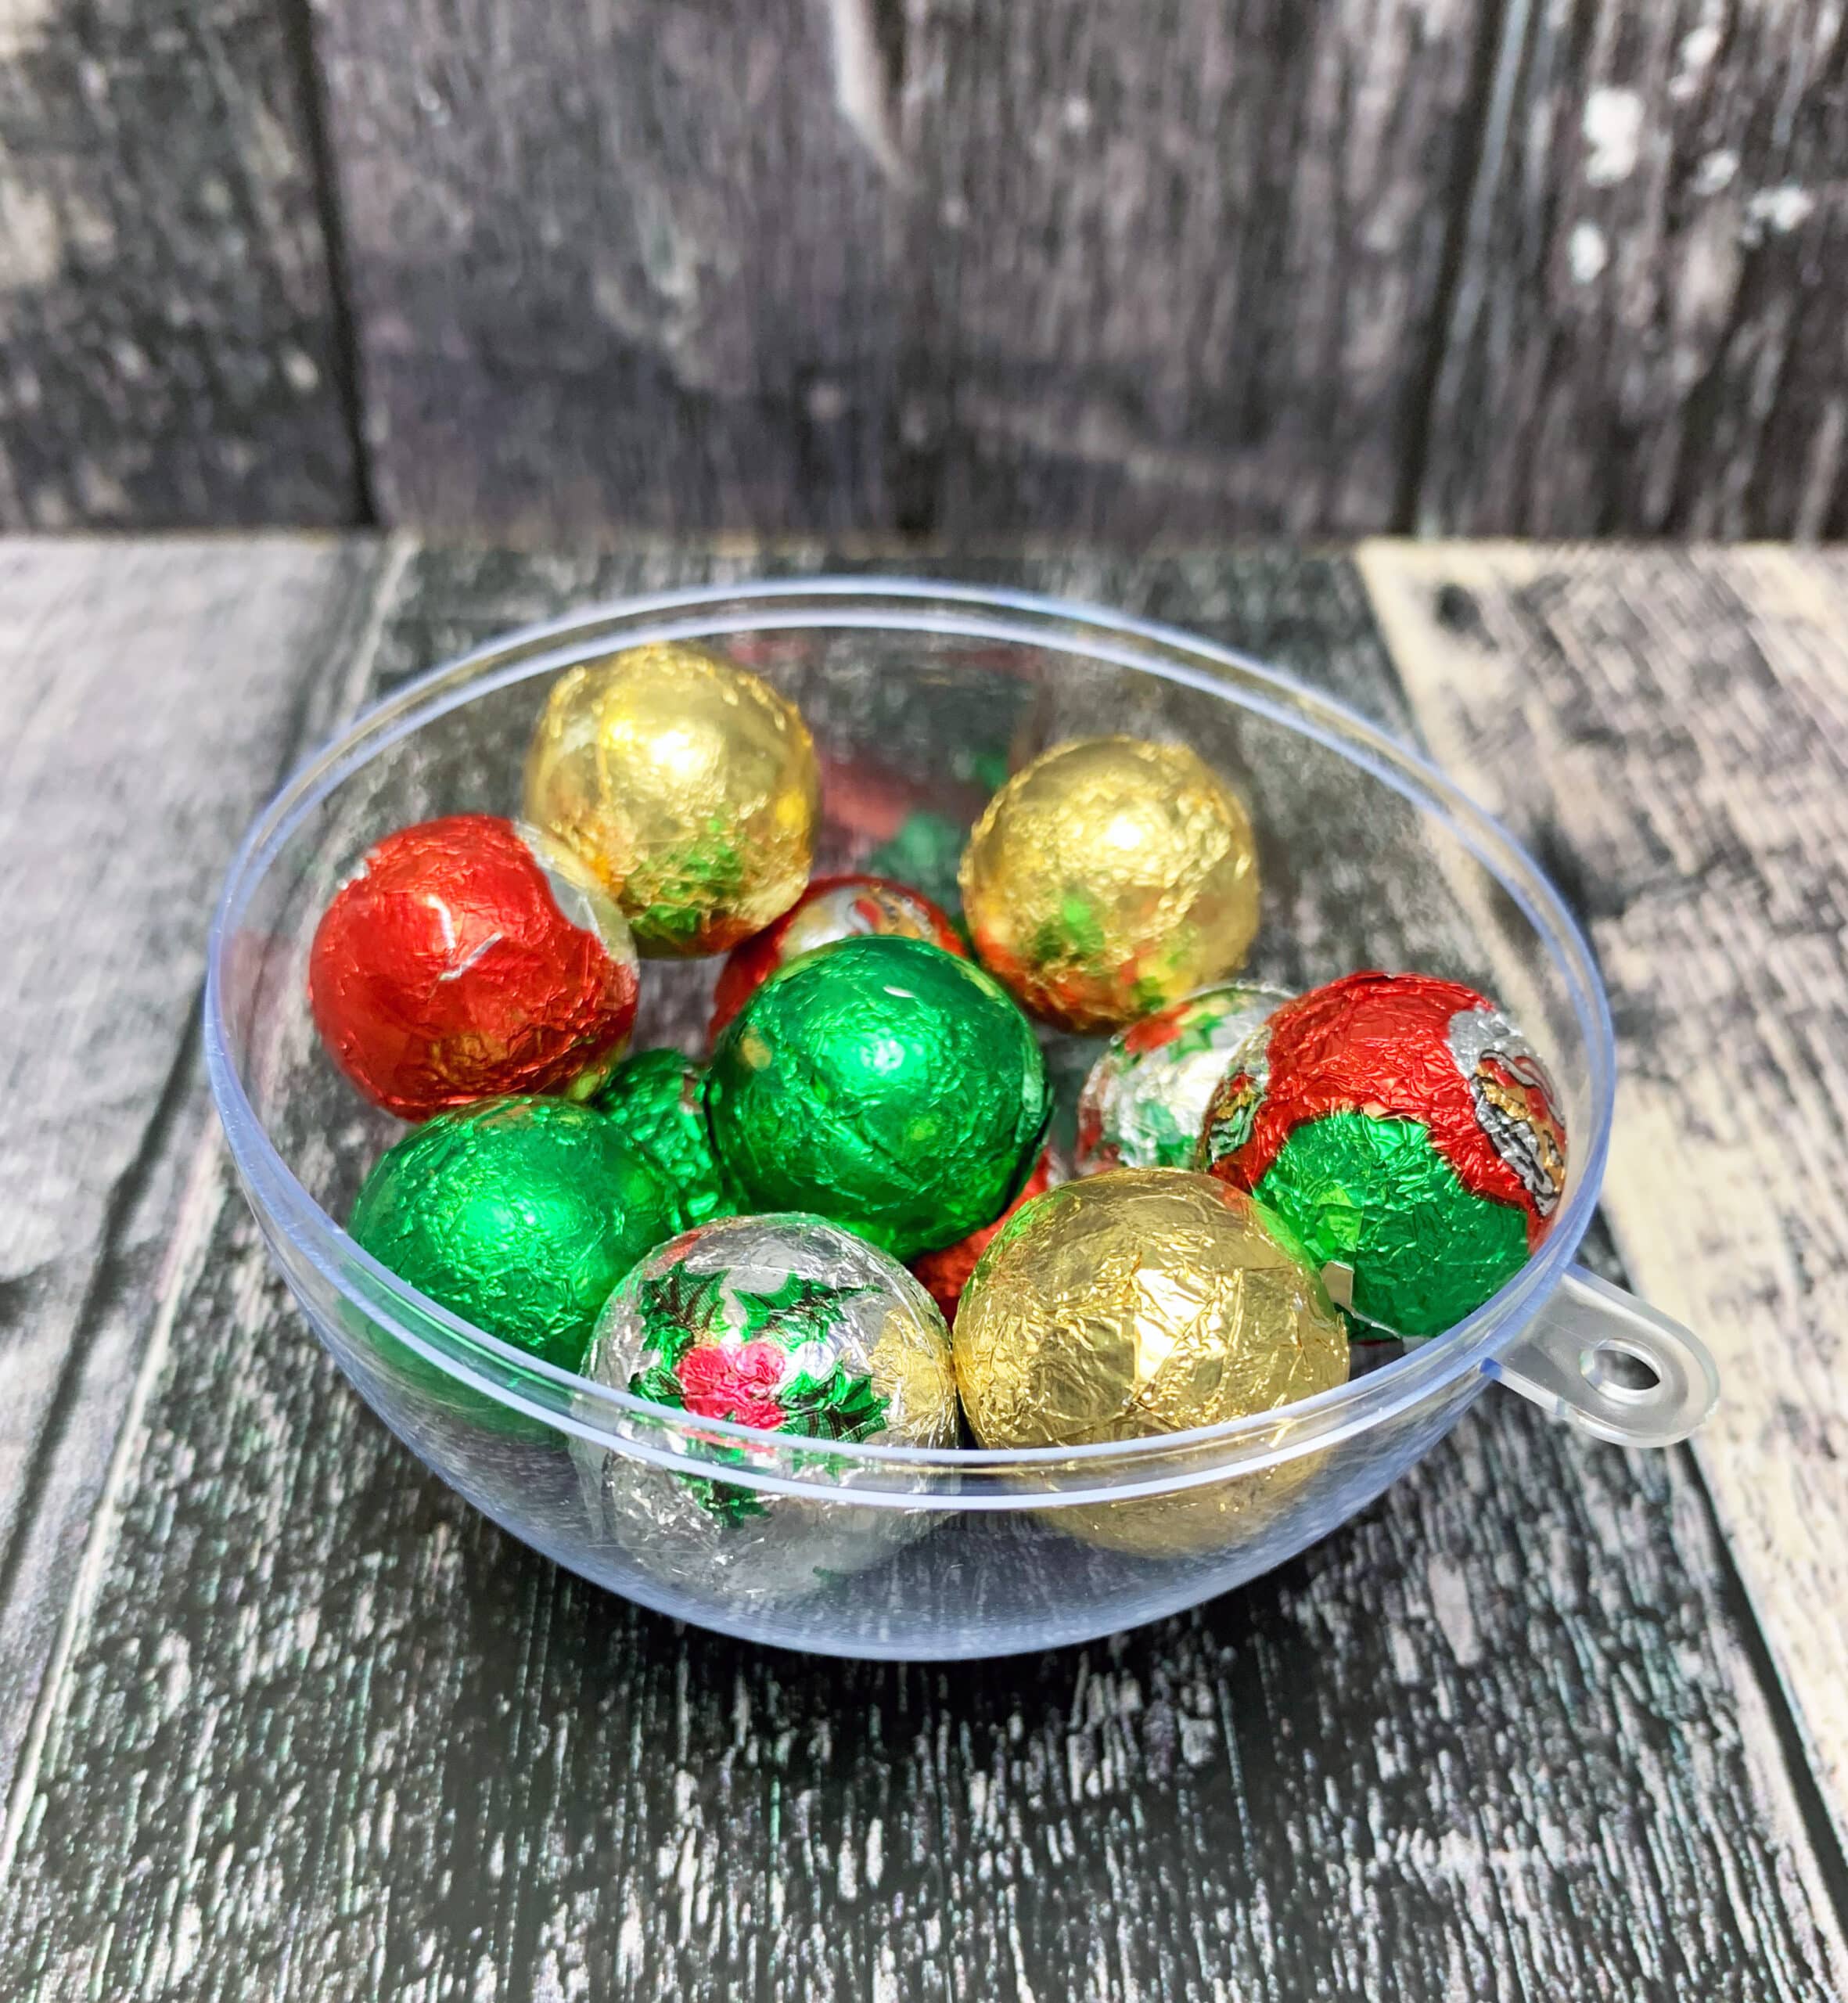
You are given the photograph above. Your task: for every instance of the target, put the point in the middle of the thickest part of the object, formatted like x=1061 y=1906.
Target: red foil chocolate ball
x=1405 y=1130
x=471 y=958
x=832 y=907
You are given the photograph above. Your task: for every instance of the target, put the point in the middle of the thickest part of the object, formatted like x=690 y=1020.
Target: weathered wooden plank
x=1671 y=731
x=615 y=264
x=1185 y=260
x=939 y=266
x=1645 y=333
x=173 y=353
x=149 y=696
x=1502 y=1738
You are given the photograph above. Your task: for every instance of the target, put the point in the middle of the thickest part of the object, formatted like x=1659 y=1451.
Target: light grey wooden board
x=173 y=352
x=1645 y=333
x=1672 y=730
x=150 y=694
x=322 y=1729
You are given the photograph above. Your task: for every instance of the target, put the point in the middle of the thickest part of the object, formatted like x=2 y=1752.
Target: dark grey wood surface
x=1184 y=264
x=1645 y=334
x=317 y=1731
x=171 y=348
x=613 y=264
x=1133 y=268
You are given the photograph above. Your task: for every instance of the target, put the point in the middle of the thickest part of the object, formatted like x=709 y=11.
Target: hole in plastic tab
x=1611 y=1365
x=1620 y=1369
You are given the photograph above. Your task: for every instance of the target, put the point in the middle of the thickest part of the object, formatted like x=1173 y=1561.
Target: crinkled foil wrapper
x=885 y=1084
x=1143 y=1103
x=658 y=1098
x=1405 y=1129
x=1142 y=1302
x=786 y=1323
x=832 y=907
x=688 y=786
x=519 y=1214
x=468 y=958
x=1109 y=878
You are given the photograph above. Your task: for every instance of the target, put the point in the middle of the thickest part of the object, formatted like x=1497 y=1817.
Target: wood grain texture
x=933 y=267
x=1671 y=731
x=172 y=352
x=1645 y=335
x=613 y=264
x=1502 y=1738
x=1185 y=261
x=149 y=697
x=954 y=267
x=944 y=267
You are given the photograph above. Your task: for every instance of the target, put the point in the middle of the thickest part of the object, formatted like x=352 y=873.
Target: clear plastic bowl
x=918 y=694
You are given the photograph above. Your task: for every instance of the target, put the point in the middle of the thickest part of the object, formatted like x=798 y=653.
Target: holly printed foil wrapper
x=1143 y=1103
x=793 y=1326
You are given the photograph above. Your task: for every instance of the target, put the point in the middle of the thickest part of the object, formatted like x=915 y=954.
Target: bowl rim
x=604 y=1416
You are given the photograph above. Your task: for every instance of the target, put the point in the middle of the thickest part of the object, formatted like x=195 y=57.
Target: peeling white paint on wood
x=1587 y=252
x=1678 y=394
x=1613 y=125
x=1779 y=210
x=1676 y=726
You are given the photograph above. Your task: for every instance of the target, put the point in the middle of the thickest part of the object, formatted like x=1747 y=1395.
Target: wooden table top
x=280 y=1716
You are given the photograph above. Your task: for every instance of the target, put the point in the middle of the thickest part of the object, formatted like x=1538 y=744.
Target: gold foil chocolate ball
x=1135 y=1303
x=688 y=787
x=1109 y=878
x=1138 y=1302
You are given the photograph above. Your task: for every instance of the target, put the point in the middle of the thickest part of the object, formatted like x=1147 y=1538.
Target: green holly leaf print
x=731 y=1504
x=659 y=1385
x=678 y=1309
x=843 y=1405
x=800 y=1311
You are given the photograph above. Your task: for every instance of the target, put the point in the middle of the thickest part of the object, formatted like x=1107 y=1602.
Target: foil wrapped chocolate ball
x=657 y=1098
x=687 y=786
x=471 y=958
x=884 y=1083
x=1108 y=879
x=1139 y=1302
x=519 y=1214
x=1407 y=1132
x=1145 y=1097
x=832 y=907
x=801 y=1330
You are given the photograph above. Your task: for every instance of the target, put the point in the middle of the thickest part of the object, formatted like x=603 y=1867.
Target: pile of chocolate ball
x=842 y=1221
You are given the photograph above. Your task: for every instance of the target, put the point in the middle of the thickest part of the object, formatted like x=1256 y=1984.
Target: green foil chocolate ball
x=884 y=1084
x=519 y=1214
x=658 y=1098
